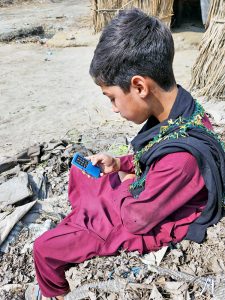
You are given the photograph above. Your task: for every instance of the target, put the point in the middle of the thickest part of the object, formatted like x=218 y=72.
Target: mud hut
x=105 y=10
x=208 y=74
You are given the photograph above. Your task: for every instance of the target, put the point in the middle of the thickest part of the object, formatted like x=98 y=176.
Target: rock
x=155 y=294
x=39 y=184
x=9 y=174
x=154 y=258
x=11 y=237
x=7 y=163
x=12 y=34
x=15 y=190
x=177 y=290
x=35 y=230
x=8 y=287
x=46 y=156
x=52 y=208
x=5 y=2
x=30 y=155
x=34 y=153
x=185 y=244
x=8 y=221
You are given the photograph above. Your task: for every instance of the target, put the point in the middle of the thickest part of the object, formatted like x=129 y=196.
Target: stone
x=39 y=184
x=7 y=163
x=15 y=190
x=8 y=221
x=25 y=31
x=155 y=294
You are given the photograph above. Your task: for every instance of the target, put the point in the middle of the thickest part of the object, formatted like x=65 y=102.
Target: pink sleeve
x=173 y=181
x=126 y=164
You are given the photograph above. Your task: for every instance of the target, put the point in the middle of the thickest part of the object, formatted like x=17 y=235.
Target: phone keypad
x=82 y=161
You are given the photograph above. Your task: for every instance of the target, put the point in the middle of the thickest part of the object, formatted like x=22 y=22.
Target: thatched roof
x=208 y=74
x=105 y=10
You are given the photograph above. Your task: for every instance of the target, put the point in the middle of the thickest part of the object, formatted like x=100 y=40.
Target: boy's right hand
x=107 y=163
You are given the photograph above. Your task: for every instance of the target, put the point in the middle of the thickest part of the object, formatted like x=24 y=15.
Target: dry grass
x=208 y=74
x=105 y=10
x=217 y=9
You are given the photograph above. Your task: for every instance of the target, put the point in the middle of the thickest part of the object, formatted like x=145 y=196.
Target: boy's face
x=131 y=105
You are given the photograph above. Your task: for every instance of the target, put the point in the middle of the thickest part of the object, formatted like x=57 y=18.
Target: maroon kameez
x=105 y=217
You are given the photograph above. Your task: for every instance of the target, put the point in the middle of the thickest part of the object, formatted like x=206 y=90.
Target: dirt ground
x=46 y=94
x=46 y=90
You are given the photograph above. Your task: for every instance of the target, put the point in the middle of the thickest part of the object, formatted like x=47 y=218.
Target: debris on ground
x=33 y=199
x=39 y=175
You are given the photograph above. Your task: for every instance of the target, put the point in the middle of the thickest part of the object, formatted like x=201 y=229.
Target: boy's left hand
x=125 y=176
x=107 y=163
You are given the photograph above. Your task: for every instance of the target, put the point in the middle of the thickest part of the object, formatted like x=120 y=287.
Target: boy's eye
x=112 y=100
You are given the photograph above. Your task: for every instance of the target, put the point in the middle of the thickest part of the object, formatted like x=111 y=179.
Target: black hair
x=134 y=43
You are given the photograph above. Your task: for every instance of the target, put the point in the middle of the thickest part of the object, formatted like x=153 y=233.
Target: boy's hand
x=124 y=176
x=107 y=163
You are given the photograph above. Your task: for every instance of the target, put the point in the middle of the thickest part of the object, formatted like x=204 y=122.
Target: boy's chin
x=137 y=122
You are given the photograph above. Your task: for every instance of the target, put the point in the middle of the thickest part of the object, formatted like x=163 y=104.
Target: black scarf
x=203 y=146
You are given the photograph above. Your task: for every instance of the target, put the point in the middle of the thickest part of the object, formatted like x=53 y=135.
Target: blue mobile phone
x=86 y=165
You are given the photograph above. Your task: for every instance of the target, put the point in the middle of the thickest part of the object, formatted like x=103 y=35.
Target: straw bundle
x=217 y=8
x=208 y=74
x=104 y=11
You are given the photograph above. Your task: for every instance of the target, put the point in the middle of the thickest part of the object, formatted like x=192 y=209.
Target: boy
x=175 y=186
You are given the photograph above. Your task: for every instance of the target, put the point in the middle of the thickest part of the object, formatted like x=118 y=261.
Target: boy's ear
x=140 y=85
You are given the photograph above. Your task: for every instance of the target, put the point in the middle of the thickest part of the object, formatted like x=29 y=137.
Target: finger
x=98 y=159
x=94 y=161
x=92 y=158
